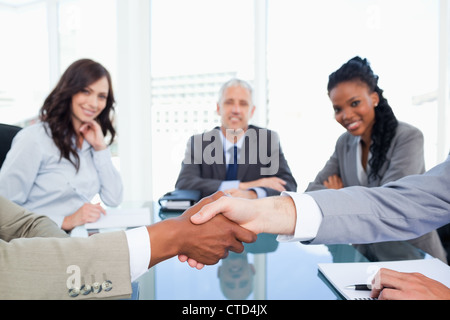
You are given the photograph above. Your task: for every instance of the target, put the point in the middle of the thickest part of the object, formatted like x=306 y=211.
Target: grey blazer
x=404 y=157
x=400 y=210
x=197 y=173
x=37 y=258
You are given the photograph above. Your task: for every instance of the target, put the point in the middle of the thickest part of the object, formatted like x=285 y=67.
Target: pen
x=359 y=287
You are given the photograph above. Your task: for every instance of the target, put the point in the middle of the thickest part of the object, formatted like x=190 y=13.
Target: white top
x=361 y=173
x=35 y=176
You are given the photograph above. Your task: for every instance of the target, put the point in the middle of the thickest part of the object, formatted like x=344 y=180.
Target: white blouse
x=35 y=176
x=361 y=173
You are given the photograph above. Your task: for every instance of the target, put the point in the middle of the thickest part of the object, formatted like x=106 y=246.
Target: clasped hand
x=254 y=215
x=204 y=243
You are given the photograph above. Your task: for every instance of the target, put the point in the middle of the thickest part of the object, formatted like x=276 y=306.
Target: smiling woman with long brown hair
x=57 y=166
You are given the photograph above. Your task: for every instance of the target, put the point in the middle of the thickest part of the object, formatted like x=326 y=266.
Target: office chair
x=7 y=133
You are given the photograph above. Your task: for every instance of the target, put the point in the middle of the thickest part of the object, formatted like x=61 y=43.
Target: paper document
x=174 y=205
x=122 y=218
x=341 y=275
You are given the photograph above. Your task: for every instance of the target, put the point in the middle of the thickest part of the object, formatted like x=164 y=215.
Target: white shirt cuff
x=309 y=218
x=231 y=184
x=260 y=192
x=139 y=247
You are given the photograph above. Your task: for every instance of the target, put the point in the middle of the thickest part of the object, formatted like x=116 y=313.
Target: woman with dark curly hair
x=376 y=149
x=56 y=166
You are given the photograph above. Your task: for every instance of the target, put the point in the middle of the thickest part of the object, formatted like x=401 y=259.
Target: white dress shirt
x=309 y=218
x=35 y=176
x=140 y=251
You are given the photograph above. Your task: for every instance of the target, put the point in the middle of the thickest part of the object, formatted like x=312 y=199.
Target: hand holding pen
x=393 y=285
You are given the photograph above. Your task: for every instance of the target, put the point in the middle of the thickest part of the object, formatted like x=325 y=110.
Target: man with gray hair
x=240 y=159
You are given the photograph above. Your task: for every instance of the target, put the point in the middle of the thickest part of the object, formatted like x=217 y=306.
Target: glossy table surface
x=267 y=269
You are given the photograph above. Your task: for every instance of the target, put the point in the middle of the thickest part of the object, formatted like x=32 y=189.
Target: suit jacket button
x=96 y=287
x=107 y=285
x=85 y=289
x=74 y=292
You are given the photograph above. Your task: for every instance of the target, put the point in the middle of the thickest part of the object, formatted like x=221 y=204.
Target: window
x=87 y=29
x=196 y=46
x=314 y=38
x=24 y=63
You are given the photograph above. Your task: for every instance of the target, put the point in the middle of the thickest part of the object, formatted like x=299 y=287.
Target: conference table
x=266 y=270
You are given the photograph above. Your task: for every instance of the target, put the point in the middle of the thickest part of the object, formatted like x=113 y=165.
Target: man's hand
x=392 y=285
x=206 y=243
x=275 y=215
x=244 y=212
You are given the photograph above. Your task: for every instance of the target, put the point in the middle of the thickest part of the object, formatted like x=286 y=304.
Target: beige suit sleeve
x=38 y=261
x=17 y=222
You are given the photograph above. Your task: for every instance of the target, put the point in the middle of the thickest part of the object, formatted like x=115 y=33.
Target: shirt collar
x=227 y=144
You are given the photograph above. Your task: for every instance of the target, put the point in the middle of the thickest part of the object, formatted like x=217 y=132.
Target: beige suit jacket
x=39 y=261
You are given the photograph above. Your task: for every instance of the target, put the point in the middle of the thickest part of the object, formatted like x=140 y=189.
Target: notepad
x=177 y=205
x=122 y=218
x=341 y=275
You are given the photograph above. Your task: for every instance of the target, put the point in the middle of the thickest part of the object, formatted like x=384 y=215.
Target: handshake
x=206 y=232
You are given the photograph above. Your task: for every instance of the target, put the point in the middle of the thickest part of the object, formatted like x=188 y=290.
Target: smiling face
x=235 y=108
x=89 y=102
x=354 y=107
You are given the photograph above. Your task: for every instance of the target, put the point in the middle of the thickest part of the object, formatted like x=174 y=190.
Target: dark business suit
x=197 y=173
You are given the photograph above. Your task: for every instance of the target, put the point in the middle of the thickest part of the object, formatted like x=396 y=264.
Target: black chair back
x=7 y=133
